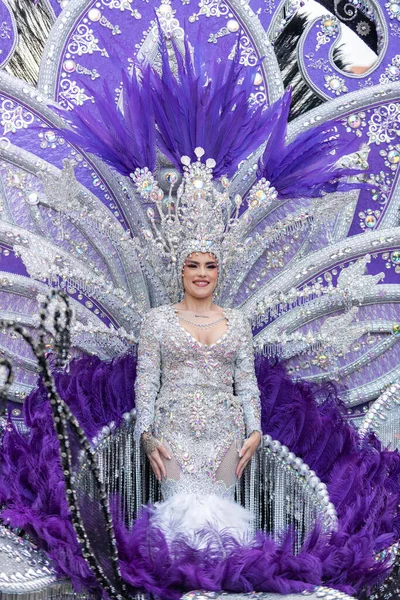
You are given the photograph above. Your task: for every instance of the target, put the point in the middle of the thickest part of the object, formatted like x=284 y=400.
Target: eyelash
x=208 y=267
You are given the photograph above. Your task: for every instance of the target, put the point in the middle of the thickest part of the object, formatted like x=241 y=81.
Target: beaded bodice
x=172 y=361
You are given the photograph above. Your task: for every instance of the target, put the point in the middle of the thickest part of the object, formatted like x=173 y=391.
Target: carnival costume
x=153 y=131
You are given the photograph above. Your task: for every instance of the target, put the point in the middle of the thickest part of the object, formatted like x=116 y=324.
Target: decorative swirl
x=84 y=42
x=349 y=11
x=384 y=124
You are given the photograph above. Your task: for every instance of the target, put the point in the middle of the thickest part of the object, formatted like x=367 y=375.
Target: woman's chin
x=200 y=292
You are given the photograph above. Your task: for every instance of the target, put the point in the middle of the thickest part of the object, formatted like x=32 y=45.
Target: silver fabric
x=200 y=400
x=320 y=593
x=24 y=568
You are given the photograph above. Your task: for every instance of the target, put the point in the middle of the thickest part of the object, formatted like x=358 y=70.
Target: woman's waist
x=196 y=394
x=196 y=381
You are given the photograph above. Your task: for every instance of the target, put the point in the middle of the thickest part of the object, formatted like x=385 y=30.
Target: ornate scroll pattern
x=8 y=33
x=384 y=124
x=84 y=42
x=14 y=117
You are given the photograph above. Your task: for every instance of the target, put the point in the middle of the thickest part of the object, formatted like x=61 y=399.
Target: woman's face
x=200 y=274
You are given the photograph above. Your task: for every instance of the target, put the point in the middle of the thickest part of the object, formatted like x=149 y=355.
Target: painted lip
x=201 y=283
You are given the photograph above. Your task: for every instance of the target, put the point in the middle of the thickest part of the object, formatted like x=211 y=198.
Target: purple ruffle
x=32 y=493
x=363 y=481
x=223 y=564
x=31 y=481
x=97 y=392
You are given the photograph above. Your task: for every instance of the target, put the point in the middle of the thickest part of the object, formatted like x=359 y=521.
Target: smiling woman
x=198 y=407
x=203 y=319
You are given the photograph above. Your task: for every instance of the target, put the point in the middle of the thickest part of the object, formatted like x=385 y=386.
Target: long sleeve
x=245 y=381
x=148 y=375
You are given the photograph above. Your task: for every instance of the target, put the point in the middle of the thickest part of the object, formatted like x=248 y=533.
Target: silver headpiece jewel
x=200 y=218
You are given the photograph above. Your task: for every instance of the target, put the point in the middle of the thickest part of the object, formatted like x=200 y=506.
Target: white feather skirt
x=196 y=518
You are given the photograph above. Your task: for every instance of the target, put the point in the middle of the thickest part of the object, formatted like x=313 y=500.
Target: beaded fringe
x=273 y=489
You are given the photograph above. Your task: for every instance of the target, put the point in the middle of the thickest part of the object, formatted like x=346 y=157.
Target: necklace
x=202 y=324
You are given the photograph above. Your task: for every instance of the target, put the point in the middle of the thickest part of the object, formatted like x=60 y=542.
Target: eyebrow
x=209 y=262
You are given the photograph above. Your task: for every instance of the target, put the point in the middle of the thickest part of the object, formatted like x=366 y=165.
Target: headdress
x=198 y=219
x=189 y=116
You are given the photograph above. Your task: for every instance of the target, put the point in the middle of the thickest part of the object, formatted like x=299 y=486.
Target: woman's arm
x=147 y=386
x=245 y=381
x=246 y=388
x=148 y=375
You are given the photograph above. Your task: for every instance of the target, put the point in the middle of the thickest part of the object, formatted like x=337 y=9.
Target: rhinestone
x=198 y=184
x=146 y=185
x=94 y=14
x=354 y=121
x=50 y=136
x=335 y=84
x=157 y=195
x=171 y=177
x=261 y=195
x=329 y=25
x=393 y=156
x=32 y=198
x=394 y=8
x=199 y=195
x=69 y=66
x=370 y=221
x=394 y=71
x=395 y=257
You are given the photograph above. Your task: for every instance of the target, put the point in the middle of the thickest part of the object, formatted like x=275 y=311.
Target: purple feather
x=211 y=111
x=122 y=138
x=98 y=392
x=306 y=166
x=147 y=561
x=363 y=480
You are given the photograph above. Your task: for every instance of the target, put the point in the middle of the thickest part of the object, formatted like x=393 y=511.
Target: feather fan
x=307 y=167
x=123 y=135
x=211 y=110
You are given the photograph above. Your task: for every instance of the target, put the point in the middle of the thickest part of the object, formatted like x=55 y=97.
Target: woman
x=197 y=399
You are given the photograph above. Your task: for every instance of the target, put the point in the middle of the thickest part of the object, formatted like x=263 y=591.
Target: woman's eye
x=212 y=266
x=191 y=266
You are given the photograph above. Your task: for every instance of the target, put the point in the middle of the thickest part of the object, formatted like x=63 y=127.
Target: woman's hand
x=249 y=447
x=155 y=450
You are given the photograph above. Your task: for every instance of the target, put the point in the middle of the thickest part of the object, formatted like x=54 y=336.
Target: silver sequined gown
x=201 y=401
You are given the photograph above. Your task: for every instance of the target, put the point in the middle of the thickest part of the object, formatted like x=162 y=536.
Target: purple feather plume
x=167 y=570
x=208 y=110
x=176 y=114
x=123 y=138
x=307 y=166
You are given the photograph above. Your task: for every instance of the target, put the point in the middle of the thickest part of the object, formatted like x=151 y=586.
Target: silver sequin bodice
x=199 y=399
